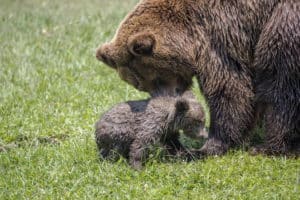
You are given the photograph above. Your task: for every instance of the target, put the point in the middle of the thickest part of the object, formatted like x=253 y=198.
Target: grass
x=52 y=90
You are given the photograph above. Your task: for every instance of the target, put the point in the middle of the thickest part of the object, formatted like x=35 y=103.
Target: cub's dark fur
x=130 y=128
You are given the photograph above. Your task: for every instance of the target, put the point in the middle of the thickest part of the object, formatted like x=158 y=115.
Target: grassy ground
x=52 y=90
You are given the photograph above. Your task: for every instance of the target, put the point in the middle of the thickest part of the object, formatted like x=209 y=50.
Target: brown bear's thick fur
x=244 y=53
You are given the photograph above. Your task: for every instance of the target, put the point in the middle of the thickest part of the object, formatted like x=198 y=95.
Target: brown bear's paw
x=267 y=150
x=214 y=147
x=259 y=149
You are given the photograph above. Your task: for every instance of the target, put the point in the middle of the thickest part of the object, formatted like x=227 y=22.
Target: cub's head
x=153 y=48
x=190 y=117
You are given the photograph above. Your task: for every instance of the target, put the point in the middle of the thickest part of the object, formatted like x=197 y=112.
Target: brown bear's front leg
x=230 y=118
x=227 y=87
x=277 y=80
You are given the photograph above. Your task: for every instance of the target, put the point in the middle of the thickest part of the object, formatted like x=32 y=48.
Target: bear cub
x=129 y=129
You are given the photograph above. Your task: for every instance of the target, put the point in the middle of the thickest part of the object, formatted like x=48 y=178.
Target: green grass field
x=52 y=90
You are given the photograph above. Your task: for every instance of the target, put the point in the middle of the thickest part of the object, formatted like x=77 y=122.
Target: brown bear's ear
x=141 y=44
x=181 y=106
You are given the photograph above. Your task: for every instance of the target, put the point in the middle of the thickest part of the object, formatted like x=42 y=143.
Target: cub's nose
x=104 y=55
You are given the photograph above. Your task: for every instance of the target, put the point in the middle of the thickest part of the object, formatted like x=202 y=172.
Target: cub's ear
x=141 y=44
x=181 y=106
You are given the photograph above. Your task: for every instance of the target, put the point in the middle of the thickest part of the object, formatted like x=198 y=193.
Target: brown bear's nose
x=103 y=55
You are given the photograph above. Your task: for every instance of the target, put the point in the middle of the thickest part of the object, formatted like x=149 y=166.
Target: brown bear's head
x=153 y=49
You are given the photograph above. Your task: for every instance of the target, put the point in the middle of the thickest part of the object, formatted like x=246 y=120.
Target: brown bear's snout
x=105 y=54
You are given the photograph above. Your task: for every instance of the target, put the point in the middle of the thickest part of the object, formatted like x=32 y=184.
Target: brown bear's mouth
x=156 y=82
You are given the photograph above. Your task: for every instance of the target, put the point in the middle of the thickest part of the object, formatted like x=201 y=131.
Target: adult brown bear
x=244 y=53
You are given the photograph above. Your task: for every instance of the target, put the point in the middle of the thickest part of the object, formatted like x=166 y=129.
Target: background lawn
x=52 y=90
